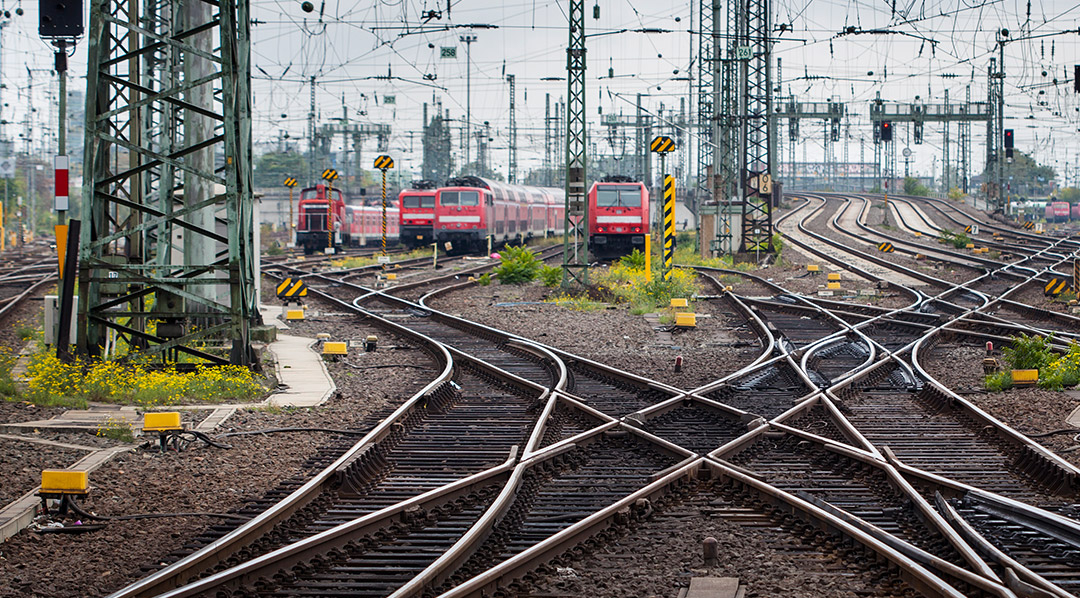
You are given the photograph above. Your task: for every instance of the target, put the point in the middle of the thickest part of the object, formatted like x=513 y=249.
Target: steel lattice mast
x=167 y=254
x=511 y=175
x=755 y=157
x=575 y=231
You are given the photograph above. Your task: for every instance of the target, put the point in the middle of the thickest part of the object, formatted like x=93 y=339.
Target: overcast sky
x=923 y=49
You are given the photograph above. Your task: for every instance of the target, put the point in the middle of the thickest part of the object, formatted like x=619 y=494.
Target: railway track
x=834 y=448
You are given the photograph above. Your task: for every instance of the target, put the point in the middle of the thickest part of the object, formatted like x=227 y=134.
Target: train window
x=610 y=196
x=410 y=201
x=427 y=201
x=469 y=198
x=448 y=198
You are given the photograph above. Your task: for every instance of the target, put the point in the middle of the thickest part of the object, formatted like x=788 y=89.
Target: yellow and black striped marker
x=1029 y=225
x=1076 y=275
x=1055 y=286
x=329 y=174
x=967 y=229
x=886 y=247
x=662 y=145
x=290 y=182
x=669 y=224
x=291 y=289
x=383 y=162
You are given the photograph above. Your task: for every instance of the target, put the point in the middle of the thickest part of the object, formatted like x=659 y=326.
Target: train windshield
x=459 y=198
x=418 y=201
x=611 y=196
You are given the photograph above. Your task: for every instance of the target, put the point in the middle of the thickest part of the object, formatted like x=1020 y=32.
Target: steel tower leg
x=755 y=160
x=144 y=255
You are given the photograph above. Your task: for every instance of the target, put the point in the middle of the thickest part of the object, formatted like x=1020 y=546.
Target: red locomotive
x=315 y=219
x=469 y=210
x=1060 y=211
x=618 y=216
x=352 y=226
x=417 y=216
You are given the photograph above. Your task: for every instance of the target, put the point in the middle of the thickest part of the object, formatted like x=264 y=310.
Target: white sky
x=358 y=40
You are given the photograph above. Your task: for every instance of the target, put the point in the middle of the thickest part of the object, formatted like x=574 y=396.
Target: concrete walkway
x=301 y=372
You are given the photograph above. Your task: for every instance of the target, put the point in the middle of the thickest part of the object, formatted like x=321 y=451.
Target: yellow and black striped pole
x=384 y=214
x=330 y=214
x=669 y=224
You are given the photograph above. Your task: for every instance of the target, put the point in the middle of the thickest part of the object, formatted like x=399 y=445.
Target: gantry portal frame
x=167 y=253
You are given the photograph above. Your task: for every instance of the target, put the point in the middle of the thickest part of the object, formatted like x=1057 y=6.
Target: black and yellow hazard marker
x=967 y=229
x=290 y=182
x=291 y=289
x=383 y=162
x=1029 y=225
x=1076 y=275
x=669 y=224
x=329 y=174
x=1055 y=287
x=662 y=145
x=886 y=247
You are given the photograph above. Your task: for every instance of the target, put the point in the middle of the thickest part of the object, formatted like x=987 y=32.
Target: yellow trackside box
x=63 y=481
x=834 y=276
x=678 y=302
x=161 y=422
x=391 y=276
x=1025 y=376
x=918 y=234
x=294 y=314
x=813 y=268
x=832 y=285
x=335 y=348
x=970 y=246
x=685 y=320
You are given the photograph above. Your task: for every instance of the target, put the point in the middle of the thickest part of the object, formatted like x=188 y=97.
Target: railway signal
x=330 y=175
x=384 y=163
x=664 y=145
x=290 y=182
x=886 y=130
x=1010 y=143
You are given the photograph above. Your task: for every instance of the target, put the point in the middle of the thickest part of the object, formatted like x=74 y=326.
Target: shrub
x=635 y=260
x=575 y=302
x=484 y=280
x=519 y=266
x=1029 y=352
x=551 y=276
x=1063 y=371
x=998 y=381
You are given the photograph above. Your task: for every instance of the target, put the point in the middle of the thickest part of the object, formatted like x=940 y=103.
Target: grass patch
x=116 y=430
x=580 y=302
x=643 y=293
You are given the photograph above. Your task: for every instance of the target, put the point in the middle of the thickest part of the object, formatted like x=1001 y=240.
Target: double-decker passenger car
x=317 y=218
x=618 y=216
x=469 y=210
x=364 y=224
x=417 y=214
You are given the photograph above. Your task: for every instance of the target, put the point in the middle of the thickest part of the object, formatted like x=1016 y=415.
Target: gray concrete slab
x=301 y=372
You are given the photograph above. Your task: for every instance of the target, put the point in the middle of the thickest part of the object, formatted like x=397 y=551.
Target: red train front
x=417 y=215
x=618 y=216
x=315 y=220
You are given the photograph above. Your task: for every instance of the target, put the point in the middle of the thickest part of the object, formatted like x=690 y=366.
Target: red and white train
x=417 y=214
x=469 y=210
x=352 y=226
x=618 y=216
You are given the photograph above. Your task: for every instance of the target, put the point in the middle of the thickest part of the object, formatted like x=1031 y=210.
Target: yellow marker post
x=648 y=257
x=669 y=224
x=3 y=234
x=61 y=245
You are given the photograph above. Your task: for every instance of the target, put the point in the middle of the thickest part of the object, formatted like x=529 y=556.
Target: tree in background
x=1069 y=194
x=274 y=167
x=912 y=186
x=1026 y=177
